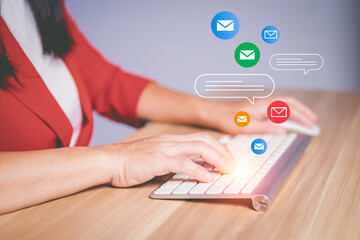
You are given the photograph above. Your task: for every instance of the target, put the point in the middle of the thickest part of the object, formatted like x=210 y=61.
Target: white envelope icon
x=225 y=25
x=241 y=119
x=279 y=112
x=247 y=54
x=259 y=146
x=270 y=34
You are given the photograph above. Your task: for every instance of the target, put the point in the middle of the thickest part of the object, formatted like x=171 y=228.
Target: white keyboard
x=258 y=177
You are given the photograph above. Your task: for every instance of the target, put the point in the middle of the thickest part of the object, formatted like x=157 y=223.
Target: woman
x=51 y=79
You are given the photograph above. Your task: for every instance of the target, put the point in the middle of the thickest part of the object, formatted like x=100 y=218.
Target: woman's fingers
x=301 y=118
x=200 y=149
x=198 y=145
x=300 y=113
x=307 y=111
x=188 y=167
x=211 y=141
x=183 y=149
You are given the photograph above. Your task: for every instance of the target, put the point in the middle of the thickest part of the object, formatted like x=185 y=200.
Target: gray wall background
x=172 y=42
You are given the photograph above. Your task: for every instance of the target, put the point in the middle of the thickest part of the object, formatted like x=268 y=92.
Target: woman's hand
x=158 y=103
x=138 y=161
x=220 y=115
x=29 y=177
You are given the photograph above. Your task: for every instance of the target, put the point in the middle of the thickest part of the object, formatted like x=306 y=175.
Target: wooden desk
x=320 y=200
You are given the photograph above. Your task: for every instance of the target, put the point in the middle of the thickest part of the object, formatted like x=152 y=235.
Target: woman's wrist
x=104 y=161
x=114 y=160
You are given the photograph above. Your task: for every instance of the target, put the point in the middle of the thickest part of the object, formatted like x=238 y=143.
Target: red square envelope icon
x=279 y=112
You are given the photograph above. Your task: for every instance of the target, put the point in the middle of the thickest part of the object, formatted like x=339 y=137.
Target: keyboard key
x=200 y=188
x=163 y=191
x=216 y=176
x=180 y=176
x=237 y=142
x=240 y=181
x=184 y=187
x=227 y=177
x=236 y=186
x=171 y=184
x=224 y=180
x=233 y=189
x=247 y=190
x=216 y=189
x=251 y=185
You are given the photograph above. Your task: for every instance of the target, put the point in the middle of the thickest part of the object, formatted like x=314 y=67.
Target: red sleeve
x=114 y=93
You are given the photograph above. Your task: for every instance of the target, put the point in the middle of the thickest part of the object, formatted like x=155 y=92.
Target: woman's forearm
x=31 y=177
x=158 y=103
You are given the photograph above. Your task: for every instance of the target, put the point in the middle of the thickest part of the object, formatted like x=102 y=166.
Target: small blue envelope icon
x=270 y=34
x=259 y=146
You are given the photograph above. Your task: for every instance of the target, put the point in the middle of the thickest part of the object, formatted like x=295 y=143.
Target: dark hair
x=55 y=38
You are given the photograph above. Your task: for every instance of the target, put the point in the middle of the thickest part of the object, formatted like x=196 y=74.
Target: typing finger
x=199 y=149
x=188 y=167
x=301 y=113
x=208 y=139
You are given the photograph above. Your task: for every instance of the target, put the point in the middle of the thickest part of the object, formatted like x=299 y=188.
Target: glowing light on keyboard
x=243 y=171
x=246 y=179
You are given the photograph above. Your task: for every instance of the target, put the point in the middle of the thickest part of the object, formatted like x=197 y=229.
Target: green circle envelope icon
x=247 y=54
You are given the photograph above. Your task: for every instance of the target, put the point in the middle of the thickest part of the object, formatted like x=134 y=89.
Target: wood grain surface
x=319 y=200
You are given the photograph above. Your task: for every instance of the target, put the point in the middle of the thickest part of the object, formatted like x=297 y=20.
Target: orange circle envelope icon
x=242 y=119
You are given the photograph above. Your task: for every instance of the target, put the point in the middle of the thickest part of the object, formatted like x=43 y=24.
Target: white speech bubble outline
x=235 y=74
x=301 y=69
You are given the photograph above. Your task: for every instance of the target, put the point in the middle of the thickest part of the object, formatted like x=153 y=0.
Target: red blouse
x=30 y=117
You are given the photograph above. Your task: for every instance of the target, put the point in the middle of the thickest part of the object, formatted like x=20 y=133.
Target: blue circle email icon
x=259 y=146
x=225 y=25
x=270 y=34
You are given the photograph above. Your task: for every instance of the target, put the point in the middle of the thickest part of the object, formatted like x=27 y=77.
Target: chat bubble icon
x=296 y=61
x=225 y=86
